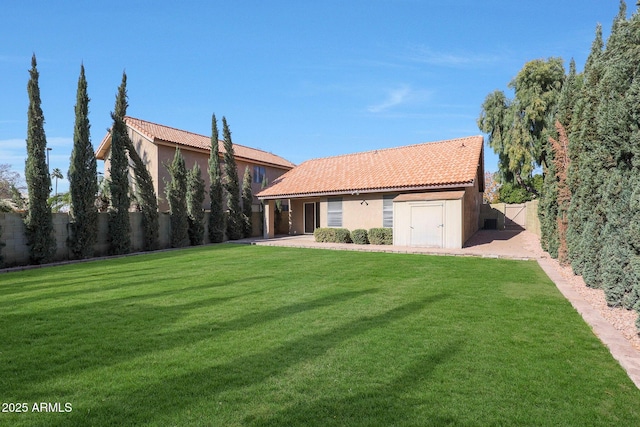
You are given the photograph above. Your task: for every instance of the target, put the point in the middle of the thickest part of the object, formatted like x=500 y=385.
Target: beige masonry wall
x=499 y=212
x=16 y=252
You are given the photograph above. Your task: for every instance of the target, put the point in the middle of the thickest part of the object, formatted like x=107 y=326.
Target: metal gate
x=515 y=216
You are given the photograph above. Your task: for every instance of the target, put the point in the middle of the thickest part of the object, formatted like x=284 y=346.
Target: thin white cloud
x=394 y=98
x=425 y=55
x=399 y=96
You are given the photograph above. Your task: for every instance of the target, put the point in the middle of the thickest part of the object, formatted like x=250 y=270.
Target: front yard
x=264 y=336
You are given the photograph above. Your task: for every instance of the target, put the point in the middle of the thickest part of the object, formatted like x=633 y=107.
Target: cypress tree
x=553 y=205
x=231 y=186
x=148 y=201
x=216 y=215
x=176 y=191
x=195 y=198
x=39 y=222
x=83 y=179
x=584 y=208
x=617 y=126
x=247 y=201
x=119 y=225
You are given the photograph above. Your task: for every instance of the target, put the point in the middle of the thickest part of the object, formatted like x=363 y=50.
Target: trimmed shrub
x=381 y=236
x=332 y=235
x=360 y=237
x=343 y=236
x=324 y=235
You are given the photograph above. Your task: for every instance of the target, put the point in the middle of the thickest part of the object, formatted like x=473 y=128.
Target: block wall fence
x=16 y=252
x=500 y=212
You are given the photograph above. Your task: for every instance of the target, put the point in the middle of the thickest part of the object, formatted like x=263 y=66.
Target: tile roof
x=156 y=131
x=443 y=164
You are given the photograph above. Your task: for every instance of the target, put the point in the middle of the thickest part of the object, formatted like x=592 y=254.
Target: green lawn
x=231 y=335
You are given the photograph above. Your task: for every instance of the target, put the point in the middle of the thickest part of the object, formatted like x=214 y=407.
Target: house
x=156 y=145
x=430 y=193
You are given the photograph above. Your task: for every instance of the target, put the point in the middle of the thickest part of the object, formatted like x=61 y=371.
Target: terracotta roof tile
x=429 y=165
x=189 y=139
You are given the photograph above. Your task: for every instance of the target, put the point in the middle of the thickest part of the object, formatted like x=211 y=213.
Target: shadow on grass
x=153 y=402
x=384 y=405
x=116 y=284
x=108 y=269
x=106 y=333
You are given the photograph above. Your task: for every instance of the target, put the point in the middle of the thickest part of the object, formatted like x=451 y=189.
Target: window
x=334 y=212
x=387 y=210
x=259 y=174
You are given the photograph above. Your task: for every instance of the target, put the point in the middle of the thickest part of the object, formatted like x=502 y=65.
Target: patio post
x=269 y=219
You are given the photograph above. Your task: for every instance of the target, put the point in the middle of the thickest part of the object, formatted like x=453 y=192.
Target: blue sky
x=302 y=79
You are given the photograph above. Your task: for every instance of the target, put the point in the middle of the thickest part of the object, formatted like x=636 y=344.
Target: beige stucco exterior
x=159 y=153
x=460 y=209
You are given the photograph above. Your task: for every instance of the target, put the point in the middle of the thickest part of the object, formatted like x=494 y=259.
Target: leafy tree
x=216 y=216
x=247 y=201
x=39 y=222
x=491 y=187
x=8 y=180
x=195 y=198
x=176 y=191
x=517 y=128
x=83 y=179
x=103 y=198
x=147 y=200
x=119 y=225
x=514 y=193
x=60 y=202
x=231 y=186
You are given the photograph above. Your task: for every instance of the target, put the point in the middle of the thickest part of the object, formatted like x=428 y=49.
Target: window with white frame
x=387 y=210
x=259 y=173
x=334 y=212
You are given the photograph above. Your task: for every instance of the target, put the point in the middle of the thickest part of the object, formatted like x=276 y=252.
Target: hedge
x=360 y=237
x=332 y=235
x=324 y=235
x=381 y=236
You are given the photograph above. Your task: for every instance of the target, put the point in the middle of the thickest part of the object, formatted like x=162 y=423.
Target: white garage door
x=427 y=225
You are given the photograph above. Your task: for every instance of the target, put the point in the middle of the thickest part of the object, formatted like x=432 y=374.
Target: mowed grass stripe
x=258 y=336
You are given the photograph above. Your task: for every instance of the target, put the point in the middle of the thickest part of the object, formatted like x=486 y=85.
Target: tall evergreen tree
x=216 y=215
x=584 y=210
x=176 y=191
x=39 y=222
x=551 y=212
x=147 y=199
x=195 y=198
x=247 y=202
x=615 y=126
x=119 y=225
x=231 y=186
x=83 y=179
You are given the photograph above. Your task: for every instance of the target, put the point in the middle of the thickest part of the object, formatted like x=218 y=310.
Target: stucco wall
x=472 y=202
x=157 y=156
x=358 y=211
x=16 y=252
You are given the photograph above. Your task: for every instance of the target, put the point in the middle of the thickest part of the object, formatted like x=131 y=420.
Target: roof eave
x=353 y=192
